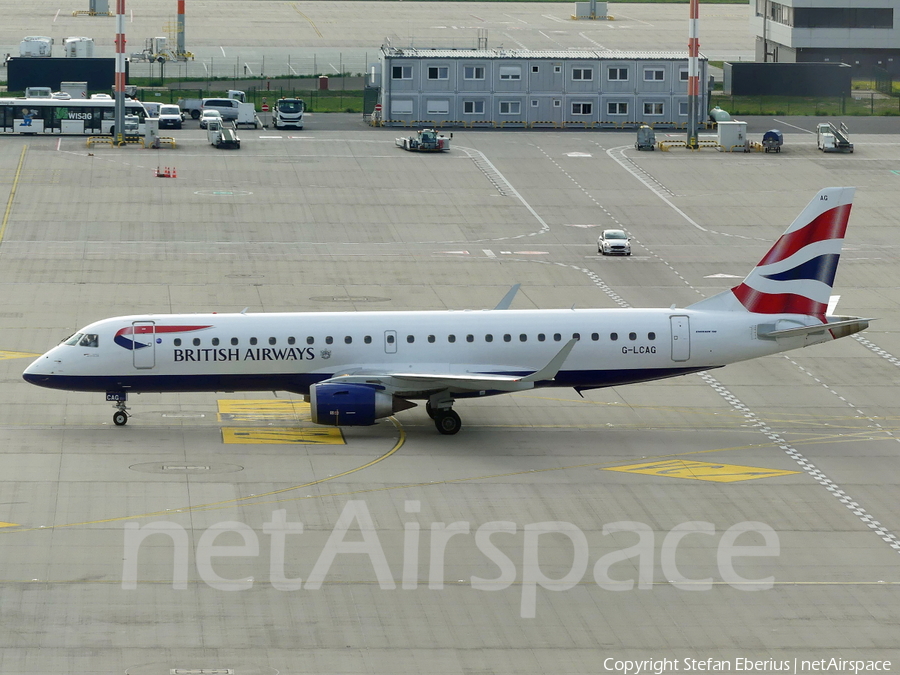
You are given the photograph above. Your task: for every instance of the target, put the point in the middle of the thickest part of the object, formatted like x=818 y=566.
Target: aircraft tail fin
x=797 y=274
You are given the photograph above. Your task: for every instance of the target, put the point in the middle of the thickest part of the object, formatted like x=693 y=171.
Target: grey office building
x=496 y=87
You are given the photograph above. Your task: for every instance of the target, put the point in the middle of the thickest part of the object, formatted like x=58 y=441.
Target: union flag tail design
x=796 y=275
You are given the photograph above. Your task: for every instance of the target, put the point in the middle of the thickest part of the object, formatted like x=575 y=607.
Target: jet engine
x=348 y=405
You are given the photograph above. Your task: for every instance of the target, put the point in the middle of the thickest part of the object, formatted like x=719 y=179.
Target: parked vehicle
x=194 y=106
x=288 y=112
x=170 y=116
x=208 y=116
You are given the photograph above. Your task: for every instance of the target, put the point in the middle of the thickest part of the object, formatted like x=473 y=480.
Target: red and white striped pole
x=120 y=72
x=693 y=75
x=179 y=49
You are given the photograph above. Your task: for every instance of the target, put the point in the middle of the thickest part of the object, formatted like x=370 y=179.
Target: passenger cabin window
x=292 y=340
x=272 y=341
x=541 y=337
x=470 y=338
x=507 y=337
x=431 y=338
x=196 y=342
x=576 y=336
x=215 y=342
x=390 y=339
x=252 y=341
x=557 y=337
x=595 y=336
x=488 y=338
x=177 y=342
x=651 y=336
x=613 y=336
x=410 y=338
x=632 y=336
x=329 y=340
x=368 y=339
x=310 y=340
x=451 y=338
x=523 y=337
x=348 y=340
x=234 y=341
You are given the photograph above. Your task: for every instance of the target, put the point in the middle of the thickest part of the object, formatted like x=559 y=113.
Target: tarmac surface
x=554 y=533
x=335 y=217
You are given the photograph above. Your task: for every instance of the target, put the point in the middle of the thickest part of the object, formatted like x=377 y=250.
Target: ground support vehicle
x=222 y=136
x=646 y=138
x=426 y=140
x=830 y=138
x=772 y=140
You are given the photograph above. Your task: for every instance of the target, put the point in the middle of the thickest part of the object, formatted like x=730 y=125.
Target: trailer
x=246 y=115
x=221 y=136
x=426 y=140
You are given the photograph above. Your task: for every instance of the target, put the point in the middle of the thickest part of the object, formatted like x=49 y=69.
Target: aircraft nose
x=39 y=371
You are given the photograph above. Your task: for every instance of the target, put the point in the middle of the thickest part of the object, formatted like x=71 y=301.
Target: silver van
x=228 y=107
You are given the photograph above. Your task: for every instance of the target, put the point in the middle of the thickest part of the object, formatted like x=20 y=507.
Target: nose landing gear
x=120 y=417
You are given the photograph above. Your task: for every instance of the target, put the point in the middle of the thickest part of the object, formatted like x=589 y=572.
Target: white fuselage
x=292 y=351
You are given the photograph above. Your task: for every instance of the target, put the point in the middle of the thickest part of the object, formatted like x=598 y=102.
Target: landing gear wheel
x=429 y=409
x=447 y=422
x=120 y=418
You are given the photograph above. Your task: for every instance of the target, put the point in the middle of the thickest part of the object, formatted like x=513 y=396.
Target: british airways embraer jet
x=355 y=368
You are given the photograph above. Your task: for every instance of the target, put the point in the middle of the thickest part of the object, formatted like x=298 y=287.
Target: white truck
x=221 y=136
x=194 y=106
x=288 y=112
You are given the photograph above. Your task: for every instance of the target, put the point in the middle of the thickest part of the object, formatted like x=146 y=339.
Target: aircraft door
x=390 y=342
x=144 y=344
x=681 y=337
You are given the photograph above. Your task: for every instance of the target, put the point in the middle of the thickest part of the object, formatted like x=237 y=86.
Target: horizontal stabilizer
x=837 y=328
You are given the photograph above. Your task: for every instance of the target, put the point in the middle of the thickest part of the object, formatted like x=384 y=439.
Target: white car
x=208 y=115
x=614 y=242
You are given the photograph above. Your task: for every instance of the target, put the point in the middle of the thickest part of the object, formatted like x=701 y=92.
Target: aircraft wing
x=422 y=384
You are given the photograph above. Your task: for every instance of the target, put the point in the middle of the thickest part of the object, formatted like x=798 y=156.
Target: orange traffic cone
x=174 y=174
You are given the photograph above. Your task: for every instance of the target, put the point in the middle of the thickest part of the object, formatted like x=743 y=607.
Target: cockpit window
x=88 y=340
x=73 y=340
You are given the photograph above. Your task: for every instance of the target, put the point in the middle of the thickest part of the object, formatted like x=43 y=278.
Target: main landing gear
x=445 y=418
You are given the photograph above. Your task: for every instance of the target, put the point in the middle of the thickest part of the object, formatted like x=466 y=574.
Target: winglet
x=549 y=371
x=508 y=298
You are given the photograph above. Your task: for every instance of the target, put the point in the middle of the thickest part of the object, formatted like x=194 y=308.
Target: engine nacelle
x=348 y=405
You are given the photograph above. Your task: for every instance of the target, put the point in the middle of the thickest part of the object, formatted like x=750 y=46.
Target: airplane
x=355 y=368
